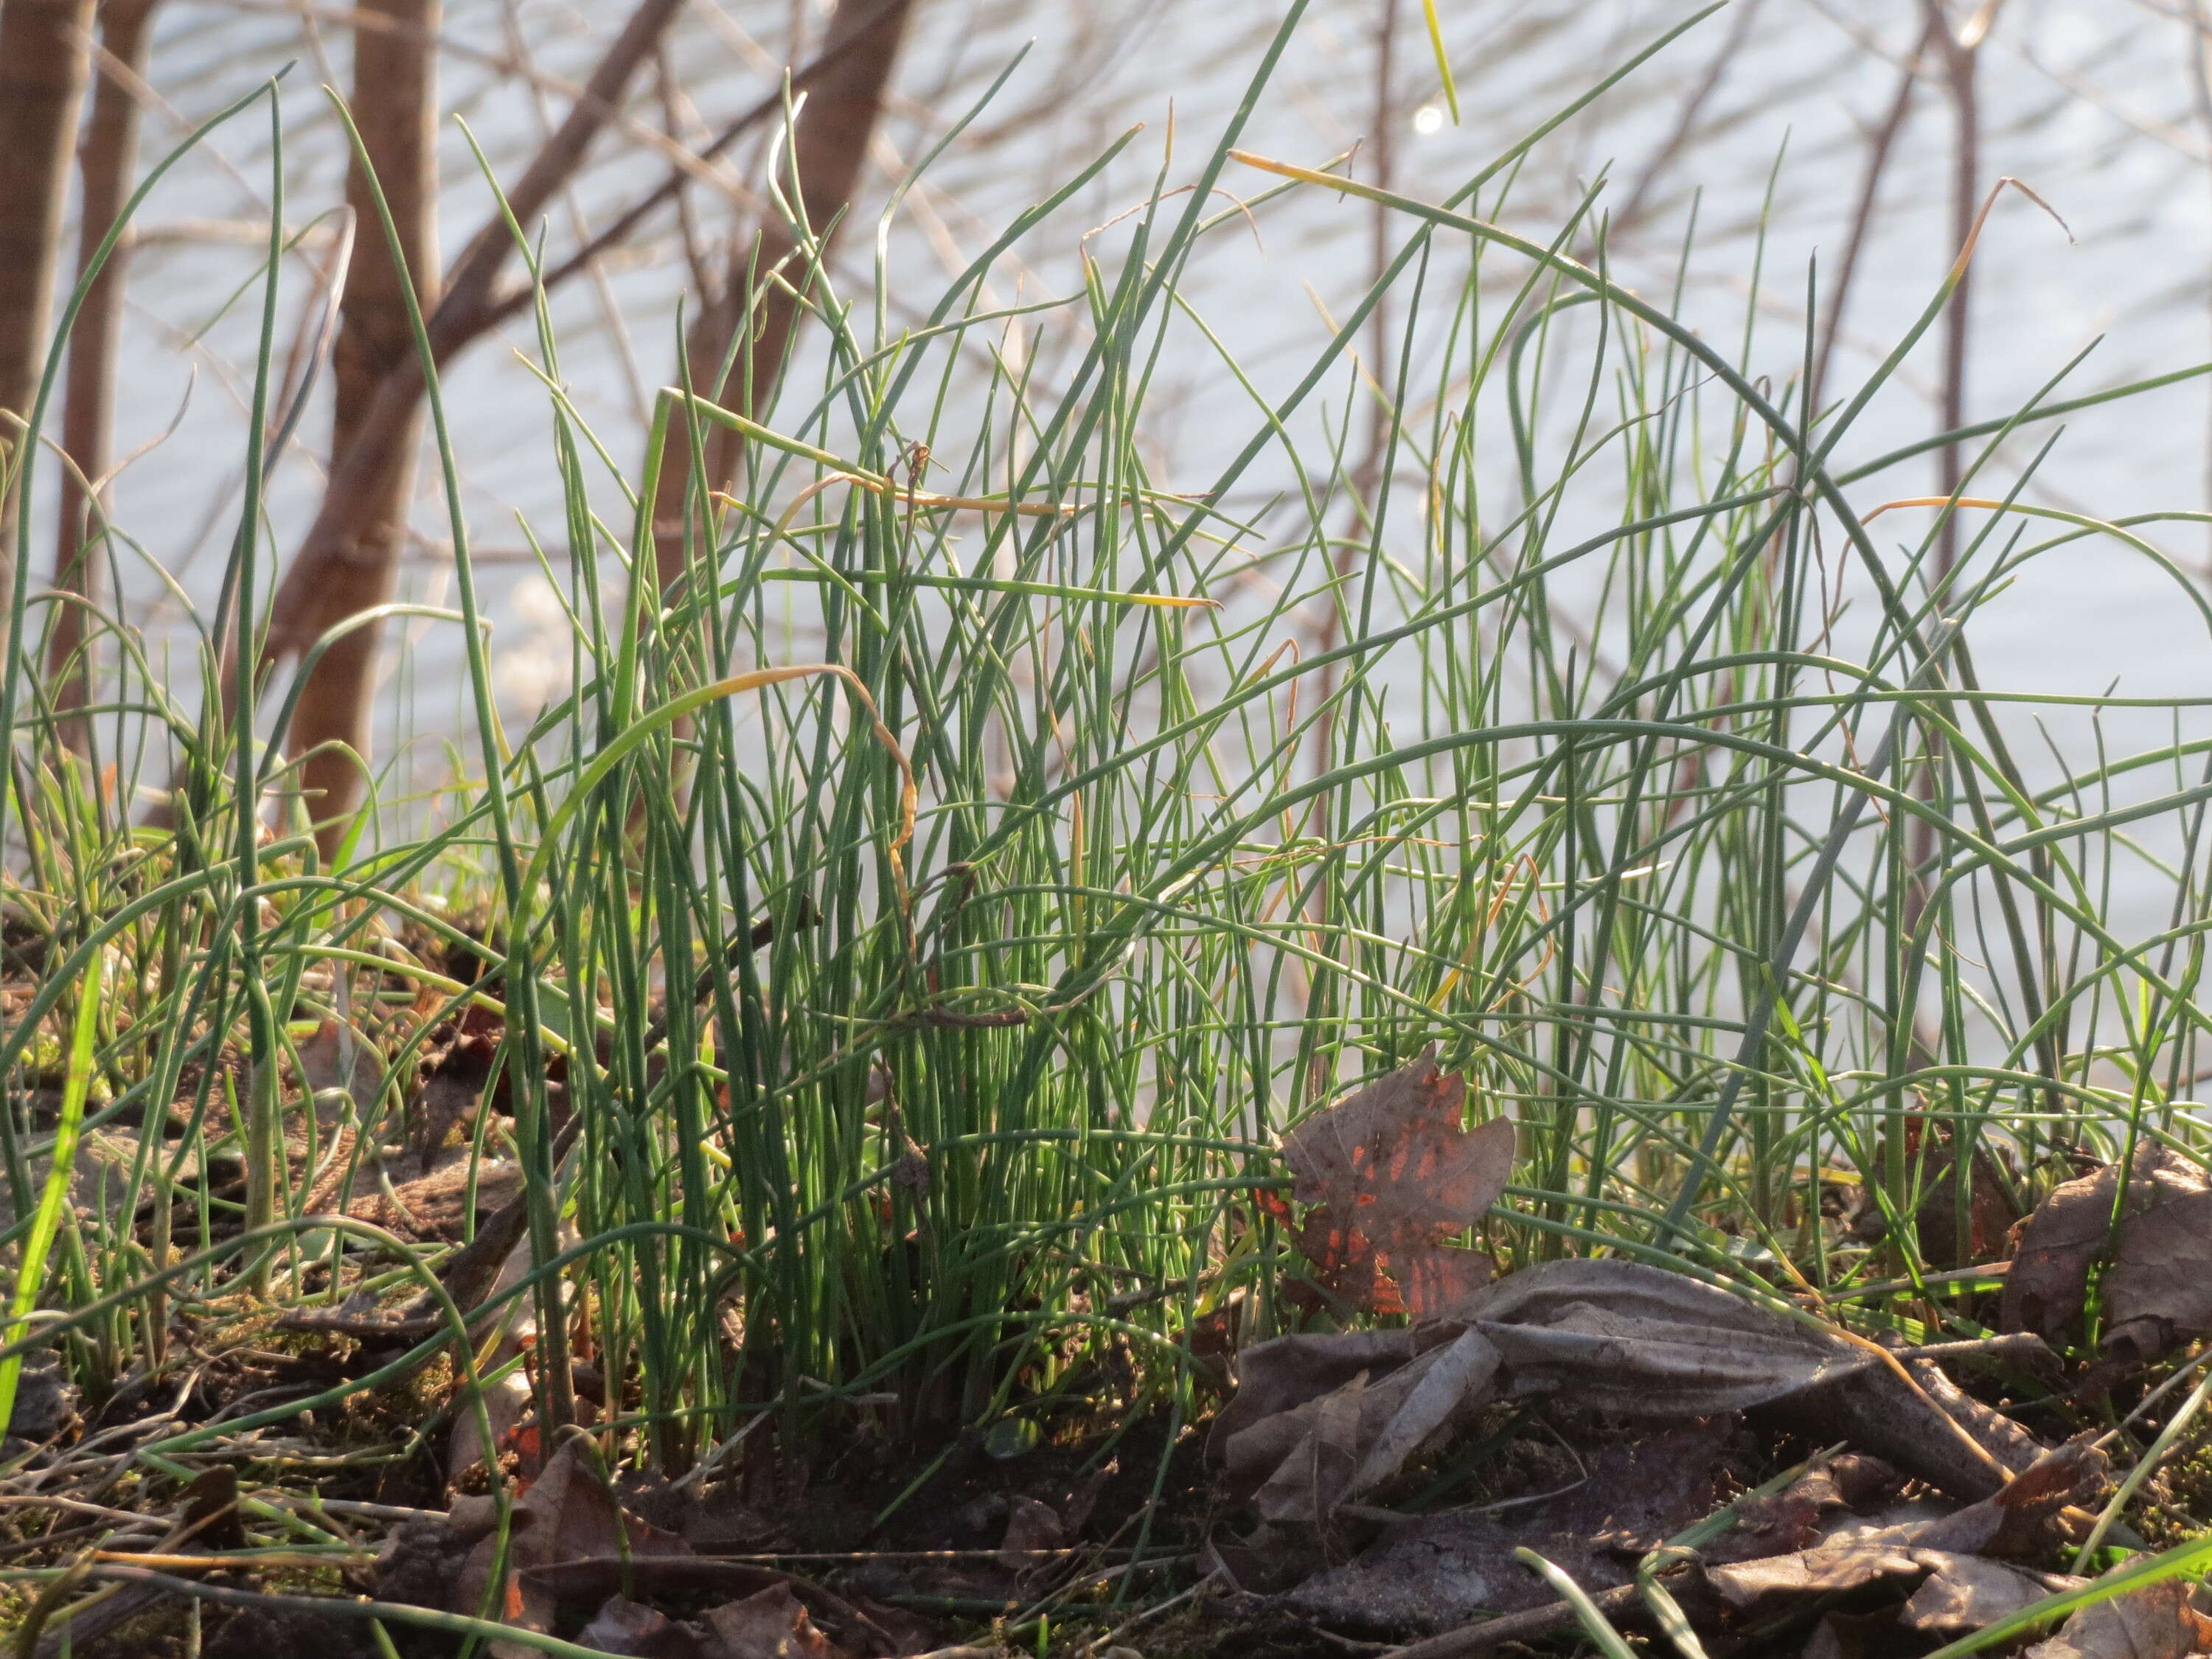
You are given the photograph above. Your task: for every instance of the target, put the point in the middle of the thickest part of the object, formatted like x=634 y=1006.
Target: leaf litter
x=1637 y=1407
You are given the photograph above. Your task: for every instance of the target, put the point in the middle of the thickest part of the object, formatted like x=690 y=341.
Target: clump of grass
x=1079 y=870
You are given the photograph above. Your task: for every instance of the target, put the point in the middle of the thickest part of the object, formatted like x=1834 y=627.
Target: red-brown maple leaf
x=1393 y=1175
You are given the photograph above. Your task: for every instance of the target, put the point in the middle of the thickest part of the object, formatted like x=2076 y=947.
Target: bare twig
x=42 y=74
x=829 y=149
x=108 y=166
x=1880 y=145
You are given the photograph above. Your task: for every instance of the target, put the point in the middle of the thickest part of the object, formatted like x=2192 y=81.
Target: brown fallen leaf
x=1991 y=1209
x=1033 y=1529
x=1319 y=1421
x=629 y=1627
x=1392 y=1175
x=1593 y=1517
x=577 y=1585
x=453 y=1079
x=1347 y=1434
x=1966 y=1592
x=566 y=1515
x=1933 y=1550
x=771 y=1624
x=2158 y=1288
x=1626 y=1337
x=2159 y=1622
x=1953 y=1592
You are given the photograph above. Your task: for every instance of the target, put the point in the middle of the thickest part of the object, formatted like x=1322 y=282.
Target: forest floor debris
x=1713 y=1469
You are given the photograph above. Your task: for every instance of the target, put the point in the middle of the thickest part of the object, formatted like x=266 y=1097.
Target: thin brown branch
x=1880 y=145
x=107 y=166
x=43 y=49
x=395 y=107
x=828 y=148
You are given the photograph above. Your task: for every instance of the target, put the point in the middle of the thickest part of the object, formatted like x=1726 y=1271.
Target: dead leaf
x=1991 y=1209
x=1033 y=1529
x=629 y=1627
x=1315 y=1474
x=2158 y=1288
x=1625 y=1337
x=577 y=1585
x=1955 y=1592
x=566 y=1515
x=452 y=1080
x=1318 y=1420
x=2007 y=1524
x=1965 y=1592
x=1791 y=1519
x=771 y=1624
x=1354 y=1425
x=1392 y=1175
x=2156 y=1622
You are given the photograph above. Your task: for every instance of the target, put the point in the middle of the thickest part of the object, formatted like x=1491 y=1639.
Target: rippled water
x=2096 y=104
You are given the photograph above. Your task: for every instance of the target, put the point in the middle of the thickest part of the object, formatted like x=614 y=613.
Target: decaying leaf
x=2159 y=1622
x=1965 y=1592
x=1594 y=1512
x=1351 y=1407
x=1628 y=1338
x=2158 y=1287
x=772 y=1625
x=1952 y=1592
x=1990 y=1208
x=1319 y=1421
x=629 y=1627
x=566 y=1515
x=1945 y=1556
x=1392 y=1175
x=1033 y=1529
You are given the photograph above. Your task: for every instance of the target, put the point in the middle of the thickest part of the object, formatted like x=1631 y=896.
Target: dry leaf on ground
x=1957 y=1587
x=1321 y=1420
x=566 y=1515
x=2159 y=1622
x=1607 y=1505
x=771 y=1624
x=2158 y=1288
x=1392 y=1175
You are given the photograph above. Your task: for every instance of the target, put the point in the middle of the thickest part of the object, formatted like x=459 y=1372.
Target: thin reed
x=931 y=908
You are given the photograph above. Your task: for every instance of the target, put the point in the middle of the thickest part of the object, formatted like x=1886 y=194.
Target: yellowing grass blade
x=1443 y=58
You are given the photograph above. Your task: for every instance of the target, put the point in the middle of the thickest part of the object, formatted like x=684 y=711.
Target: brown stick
x=334 y=566
x=1470 y=1641
x=1959 y=58
x=1880 y=145
x=395 y=105
x=43 y=52
x=828 y=148
x=307 y=603
x=107 y=166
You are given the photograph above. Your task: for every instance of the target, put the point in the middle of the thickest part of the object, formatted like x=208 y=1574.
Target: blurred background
x=1779 y=149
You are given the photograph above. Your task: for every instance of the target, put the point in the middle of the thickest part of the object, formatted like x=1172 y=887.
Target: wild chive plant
x=931 y=908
